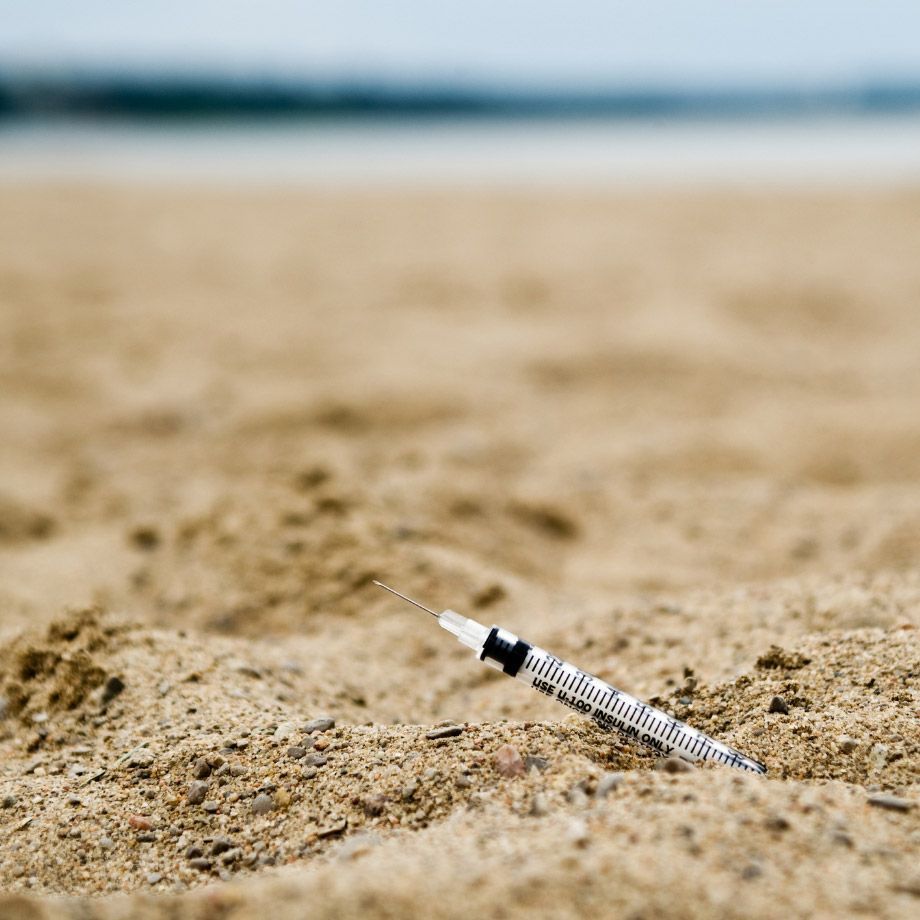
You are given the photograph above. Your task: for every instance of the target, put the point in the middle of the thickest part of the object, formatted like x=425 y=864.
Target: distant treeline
x=126 y=97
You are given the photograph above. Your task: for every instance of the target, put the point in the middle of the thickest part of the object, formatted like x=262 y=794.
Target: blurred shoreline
x=874 y=149
x=192 y=96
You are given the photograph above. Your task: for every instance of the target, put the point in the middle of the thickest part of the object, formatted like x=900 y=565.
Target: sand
x=671 y=436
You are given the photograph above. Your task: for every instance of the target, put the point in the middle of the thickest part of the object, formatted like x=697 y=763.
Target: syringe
x=595 y=699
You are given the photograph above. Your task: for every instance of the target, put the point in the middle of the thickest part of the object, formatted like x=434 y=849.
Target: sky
x=567 y=43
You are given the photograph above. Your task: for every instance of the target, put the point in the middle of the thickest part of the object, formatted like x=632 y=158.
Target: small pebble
x=201 y=864
x=262 y=804
x=221 y=845
x=890 y=802
x=375 y=804
x=283 y=731
x=201 y=769
x=106 y=843
x=194 y=852
x=535 y=763
x=778 y=704
x=9 y=801
x=448 y=731
x=846 y=744
x=321 y=744
x=331 y=830
x=315 y=760
x=296 y=753
x=197 y=792
x=309 y=772
x=153 y=878
x=319 y=725
x=141 y=758
x=140 y=822
x=210 y=807
x=508 y=761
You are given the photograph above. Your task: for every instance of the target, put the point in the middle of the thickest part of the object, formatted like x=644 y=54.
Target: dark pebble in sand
x=145 y=537
x=262 y=804
x=776 y=822
x=197 y=792
x=194 y=852
x=200 y=863
x=778 y=704
x=201 y=768
x=319 y=725
x=113 y=686
x=210 y=807
x=221 y=845
x=315 y=760
x=448 y=731
x=375 y=804
x=9 y=801
x=535 y=763
x=890 y=802
x=296 y=753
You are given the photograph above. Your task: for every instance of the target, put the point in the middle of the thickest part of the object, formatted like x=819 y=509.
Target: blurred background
x=512 y=91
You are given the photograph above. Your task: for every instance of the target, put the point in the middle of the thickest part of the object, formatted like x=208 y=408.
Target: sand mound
x=150 y=779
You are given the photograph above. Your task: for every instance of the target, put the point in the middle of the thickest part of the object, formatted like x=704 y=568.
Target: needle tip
x=380 y=584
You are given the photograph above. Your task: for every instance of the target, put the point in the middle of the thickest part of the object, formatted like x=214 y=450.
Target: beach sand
x=671 y=436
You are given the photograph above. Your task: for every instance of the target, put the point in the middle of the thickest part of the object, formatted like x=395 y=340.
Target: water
x=369 y=152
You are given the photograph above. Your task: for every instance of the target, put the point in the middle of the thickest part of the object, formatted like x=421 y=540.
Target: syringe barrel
x=608 y=707
x=614 y=710
x=595 y=699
